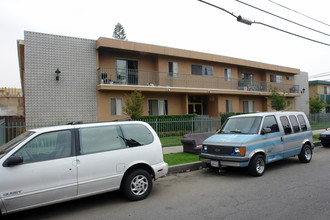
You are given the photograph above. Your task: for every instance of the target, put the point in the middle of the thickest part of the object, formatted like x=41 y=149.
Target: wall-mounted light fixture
x=302 y=91
x=57 y=76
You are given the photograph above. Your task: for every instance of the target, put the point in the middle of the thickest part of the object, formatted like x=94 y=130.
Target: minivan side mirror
x=265 y=130
x=13 y=161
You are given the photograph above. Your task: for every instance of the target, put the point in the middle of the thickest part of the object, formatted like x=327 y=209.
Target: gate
x=2 y=131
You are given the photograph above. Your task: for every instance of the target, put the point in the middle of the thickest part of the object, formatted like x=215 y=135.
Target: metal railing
x=165 y=128
x=115 y=76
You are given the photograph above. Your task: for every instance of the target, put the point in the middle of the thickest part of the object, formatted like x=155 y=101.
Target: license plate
x=215 y=163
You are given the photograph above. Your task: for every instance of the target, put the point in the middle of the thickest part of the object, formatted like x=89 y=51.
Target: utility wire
x=320 y=75
x=306 y=38
x=299 y=13
x=239 y=18
x=231 y=13
x=282 y=18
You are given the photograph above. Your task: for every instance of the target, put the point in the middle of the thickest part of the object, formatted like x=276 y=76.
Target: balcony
x=131 y=77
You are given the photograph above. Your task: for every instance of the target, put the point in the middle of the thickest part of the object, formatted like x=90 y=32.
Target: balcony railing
x=153 y=78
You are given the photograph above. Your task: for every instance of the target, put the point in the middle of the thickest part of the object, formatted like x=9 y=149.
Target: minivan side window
x=100 y=139
x=302 y=123
x=294 y=123
x=47 y=146
x=286 y=125
x=136 y=135
x=270 y=122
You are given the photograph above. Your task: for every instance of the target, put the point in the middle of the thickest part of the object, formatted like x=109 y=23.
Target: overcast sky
x=184 y=24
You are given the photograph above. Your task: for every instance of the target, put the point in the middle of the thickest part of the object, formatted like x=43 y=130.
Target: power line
x=293 y=22
x=299 y=13
x=321 y=75
x=249 y=22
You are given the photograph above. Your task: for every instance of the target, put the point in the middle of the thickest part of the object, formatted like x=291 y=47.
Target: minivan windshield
x=4 y=149
x=242 y=125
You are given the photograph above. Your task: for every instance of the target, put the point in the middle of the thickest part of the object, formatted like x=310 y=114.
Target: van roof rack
x=75 y=123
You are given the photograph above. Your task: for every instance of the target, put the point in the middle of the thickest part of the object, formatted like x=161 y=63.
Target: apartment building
x=322 y=89
x=11 y=102
x=66 y=78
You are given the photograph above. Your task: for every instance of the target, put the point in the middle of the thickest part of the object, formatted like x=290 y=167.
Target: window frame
x=115 y=107
x=202 y=67
x=286 y=128
x=173 y=69
x=158 y=105
x=249 y=102
x=228 y=74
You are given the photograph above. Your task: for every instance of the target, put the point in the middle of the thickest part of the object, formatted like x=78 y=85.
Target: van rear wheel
x=137 y=185
x=257 y=165
x=306 y=153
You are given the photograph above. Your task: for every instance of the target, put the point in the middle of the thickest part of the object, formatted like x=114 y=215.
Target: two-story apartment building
x=68 y=79
x=321 y=88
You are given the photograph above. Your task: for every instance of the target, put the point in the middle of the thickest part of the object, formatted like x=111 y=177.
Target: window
x=100 y=139
x=289 y=78
x=48 y=146
x=229 y=106
x=248 y=79
x=202 y=70
x=139 y=134
x=173 y=69
x=227 y=74
x=286 y=125
x=158 y=107
x=275 y=78
x=294 y=123
x=270 y=122
x=116 y=106
x=302 y=123
x=326 y=89
x=248 y=106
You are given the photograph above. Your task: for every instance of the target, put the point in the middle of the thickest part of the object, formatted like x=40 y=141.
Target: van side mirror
x=13 y=161
x=265 y=130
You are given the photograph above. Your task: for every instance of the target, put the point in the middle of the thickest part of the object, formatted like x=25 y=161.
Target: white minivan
x=253 y=140
x=55 y=164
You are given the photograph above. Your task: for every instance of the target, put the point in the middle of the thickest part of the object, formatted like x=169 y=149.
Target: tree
x=134 y=105
x=119 y=32
x=316 y=104
x=278 y=102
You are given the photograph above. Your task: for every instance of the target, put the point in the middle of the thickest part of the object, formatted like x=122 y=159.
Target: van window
x=270 y=122
x=302 y=122
x=136 y=135
x=48 y=146
x=294 y=123
x=99 y=139
x=286 y=125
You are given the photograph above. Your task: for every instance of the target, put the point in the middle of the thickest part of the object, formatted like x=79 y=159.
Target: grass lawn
x=316 y=137
x=171 y=141
x=180 y=158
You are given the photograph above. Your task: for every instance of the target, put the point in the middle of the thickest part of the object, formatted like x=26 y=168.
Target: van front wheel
x=257 y=165
x=305 y=155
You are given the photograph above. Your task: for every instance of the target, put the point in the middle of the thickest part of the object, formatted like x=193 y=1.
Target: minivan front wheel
x=137 y=185
x=257 y=165
x=306 y=153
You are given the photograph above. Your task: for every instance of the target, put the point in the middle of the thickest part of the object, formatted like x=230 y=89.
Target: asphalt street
x=287 y=190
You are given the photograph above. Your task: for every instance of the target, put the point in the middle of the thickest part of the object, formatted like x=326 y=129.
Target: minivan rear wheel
x=306 y=153
x=257 y=165
x=137 y=185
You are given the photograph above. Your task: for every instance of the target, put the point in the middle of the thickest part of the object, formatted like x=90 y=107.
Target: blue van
x=254 y=140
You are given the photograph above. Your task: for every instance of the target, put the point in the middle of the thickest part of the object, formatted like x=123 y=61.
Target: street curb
x=187 y=167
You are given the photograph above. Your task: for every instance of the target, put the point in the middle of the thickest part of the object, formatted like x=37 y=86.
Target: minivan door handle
x=281 y=139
